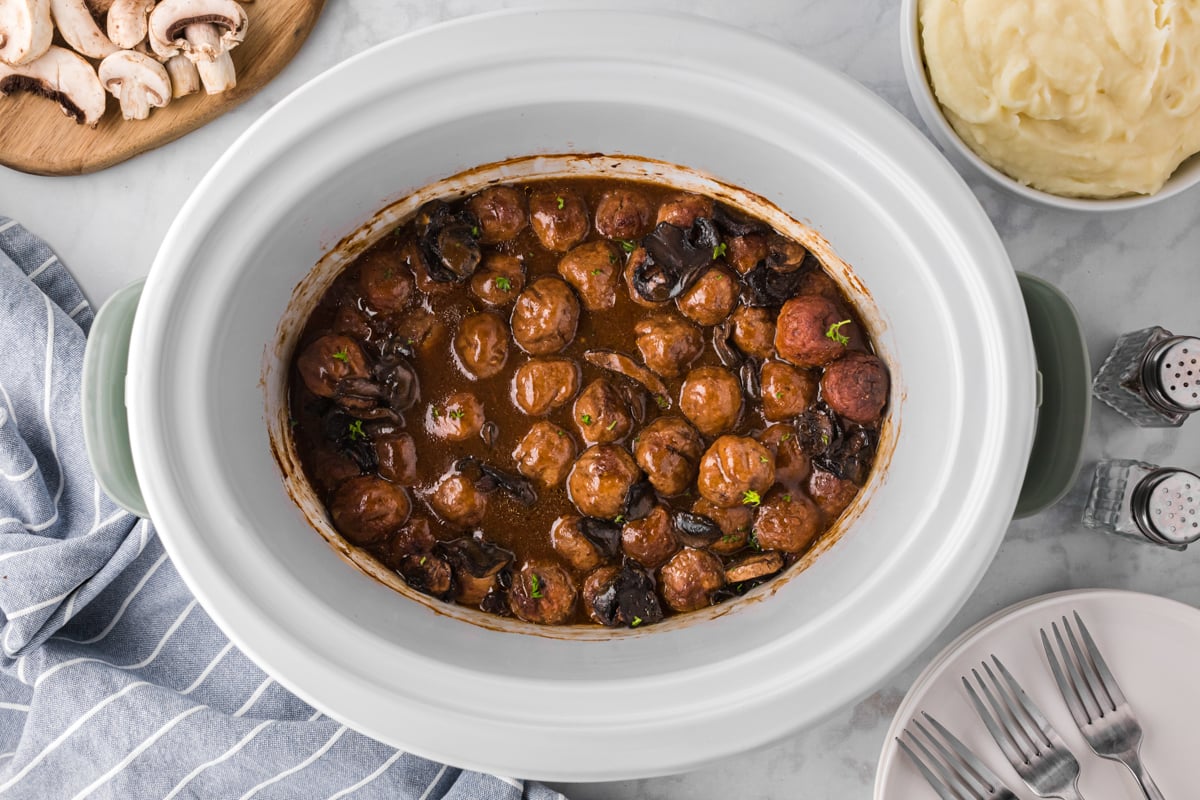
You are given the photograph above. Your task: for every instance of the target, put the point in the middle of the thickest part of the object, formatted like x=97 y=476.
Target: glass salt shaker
x=1152 y=376
x=1144 y=502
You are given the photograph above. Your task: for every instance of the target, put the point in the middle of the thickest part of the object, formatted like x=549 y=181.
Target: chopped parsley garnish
x=619 y=519
x=535 y=586
x=764 y=459
x=729 y=538
x=787 y=498
x=750 y=498
x=560 y=202
x=597 y=271
x=835 y=332
x=424 y=559
x=718 y=251
x=663 y=402
x=627 y=245
x=612 y=259
x=456 y=413
x=343 y=355
x=387 y=273
x=356 y=431
x=754 y=542
x=825 y=439
x=436 y=413
x=503 y=283
x=636 y=621
x=785 y=437
x=475 y=231
x=586 y=419
x=778 y=395
x=610 y=425
x=561 y=433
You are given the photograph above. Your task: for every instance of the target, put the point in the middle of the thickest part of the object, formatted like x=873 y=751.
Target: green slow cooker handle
x=105 y=419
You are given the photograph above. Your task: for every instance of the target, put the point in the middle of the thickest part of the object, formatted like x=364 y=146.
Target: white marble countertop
x=1123 y=271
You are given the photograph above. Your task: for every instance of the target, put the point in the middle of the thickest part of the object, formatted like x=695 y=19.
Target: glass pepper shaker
x=1152 y=376
x=1141 y=501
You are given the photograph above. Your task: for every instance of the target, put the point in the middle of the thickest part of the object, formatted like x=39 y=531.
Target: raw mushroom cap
x=137 y=80
x=171 y=18
x=25 y=30
x=77 y=25
x=63 y=77
x=128 y=22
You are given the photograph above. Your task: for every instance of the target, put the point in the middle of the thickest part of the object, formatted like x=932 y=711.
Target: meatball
x=567 y=539
x=457 y=501
x=831 y=493
x=754 y=331
x=786 y=390
x=735 y=470
x=481 y=345
x=735 y=524
x=366 y=509
x=856 y=386
x=499 y=281
x=710 y=298
x=650 y=540
x=501 y=213
x=331 y=359
x=384 y=281
x=668 y=344
x=787 y=521
x=353 y=321
x=413 y=539
x=594 y=269
x=711 y=398
x=428 y=574
x=559 y=218
x=544 y=384
x=682 y=209
x=792 y=464
x=690 y=578
x=542 y=592
x=817 y=282
x=545 y=454
x=595 y=584
x=397 y=457
x=457 y=419
x=669 y=450
x=423 y=331
x=623 y=214
x=545 y=316
x=601 y=413
x=808 y=330
x=599 y=481
x=329 y=467
x=744 y=252
x=635 y=260
x=412 y=256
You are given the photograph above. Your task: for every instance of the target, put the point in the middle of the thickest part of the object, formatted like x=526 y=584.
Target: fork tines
x=955 y=773
x=1091 y=691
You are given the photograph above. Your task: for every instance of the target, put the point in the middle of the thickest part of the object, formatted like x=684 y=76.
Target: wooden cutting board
x=36 y=137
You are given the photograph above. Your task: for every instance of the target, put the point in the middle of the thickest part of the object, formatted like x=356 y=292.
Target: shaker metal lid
x=1166 y=506
x=1172 y=374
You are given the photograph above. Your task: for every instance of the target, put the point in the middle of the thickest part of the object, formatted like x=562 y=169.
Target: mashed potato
x=1088 y=98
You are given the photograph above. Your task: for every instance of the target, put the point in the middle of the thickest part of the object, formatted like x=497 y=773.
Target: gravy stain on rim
x=277 y=356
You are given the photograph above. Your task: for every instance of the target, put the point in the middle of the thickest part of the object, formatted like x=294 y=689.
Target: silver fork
x=1097 y=703
x=960 y=774
x=1025 y=735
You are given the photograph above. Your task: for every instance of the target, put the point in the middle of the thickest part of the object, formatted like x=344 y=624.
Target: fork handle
x=1133 y=761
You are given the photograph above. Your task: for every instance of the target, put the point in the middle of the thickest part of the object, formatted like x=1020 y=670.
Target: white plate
x=1152 y=645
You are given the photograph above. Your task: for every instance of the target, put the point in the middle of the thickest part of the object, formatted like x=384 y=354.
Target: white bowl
x=912 y=54
x=929 y=273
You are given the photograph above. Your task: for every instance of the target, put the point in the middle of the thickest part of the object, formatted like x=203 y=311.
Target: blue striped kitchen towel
x=114 y=683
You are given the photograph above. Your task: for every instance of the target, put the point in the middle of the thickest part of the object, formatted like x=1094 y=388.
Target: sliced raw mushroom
x=128 y=22
x=137 y=80
x=185 y=78
x=77 y=25
x=25 y=30
x=625 y=365
x=62 y=76
x=204 y=31
x=753 y=567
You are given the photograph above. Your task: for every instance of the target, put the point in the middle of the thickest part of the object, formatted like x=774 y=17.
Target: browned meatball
x=456 y=500
x=808 y=330
x=499 y=281
x=786 y=390
x=735 y=524
x=544 y=384
x=545 y=316
x=623 y=214
x=817 y=282
x=424 y=332
x=384 y=281
x=596 y=583
x=831 y=493
x=428 y=574
x=414 y=259
x=366 y=509
x=787 y=521
x=599 y=481
x=856 y=386
x=735 y=470
x=601 y=413
x=710 y=298
x=668 y=344
x=397 y=457
x=635 y=260
x=542 y=592
x=413 y=539
x=481 y=345
x=567 y=539
x=456 y=419
x=754 y=331
x=682 y=209
x=792 y=464
x=331 y=359
x=650 y=540
x=711 y=398
x=501 y=213
x=353 y=321
x=669 y=450
x=329 y=467
x=689 y=579
x=559 y=218
x=744 y=252
x=594 y=269
x=545 y=454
